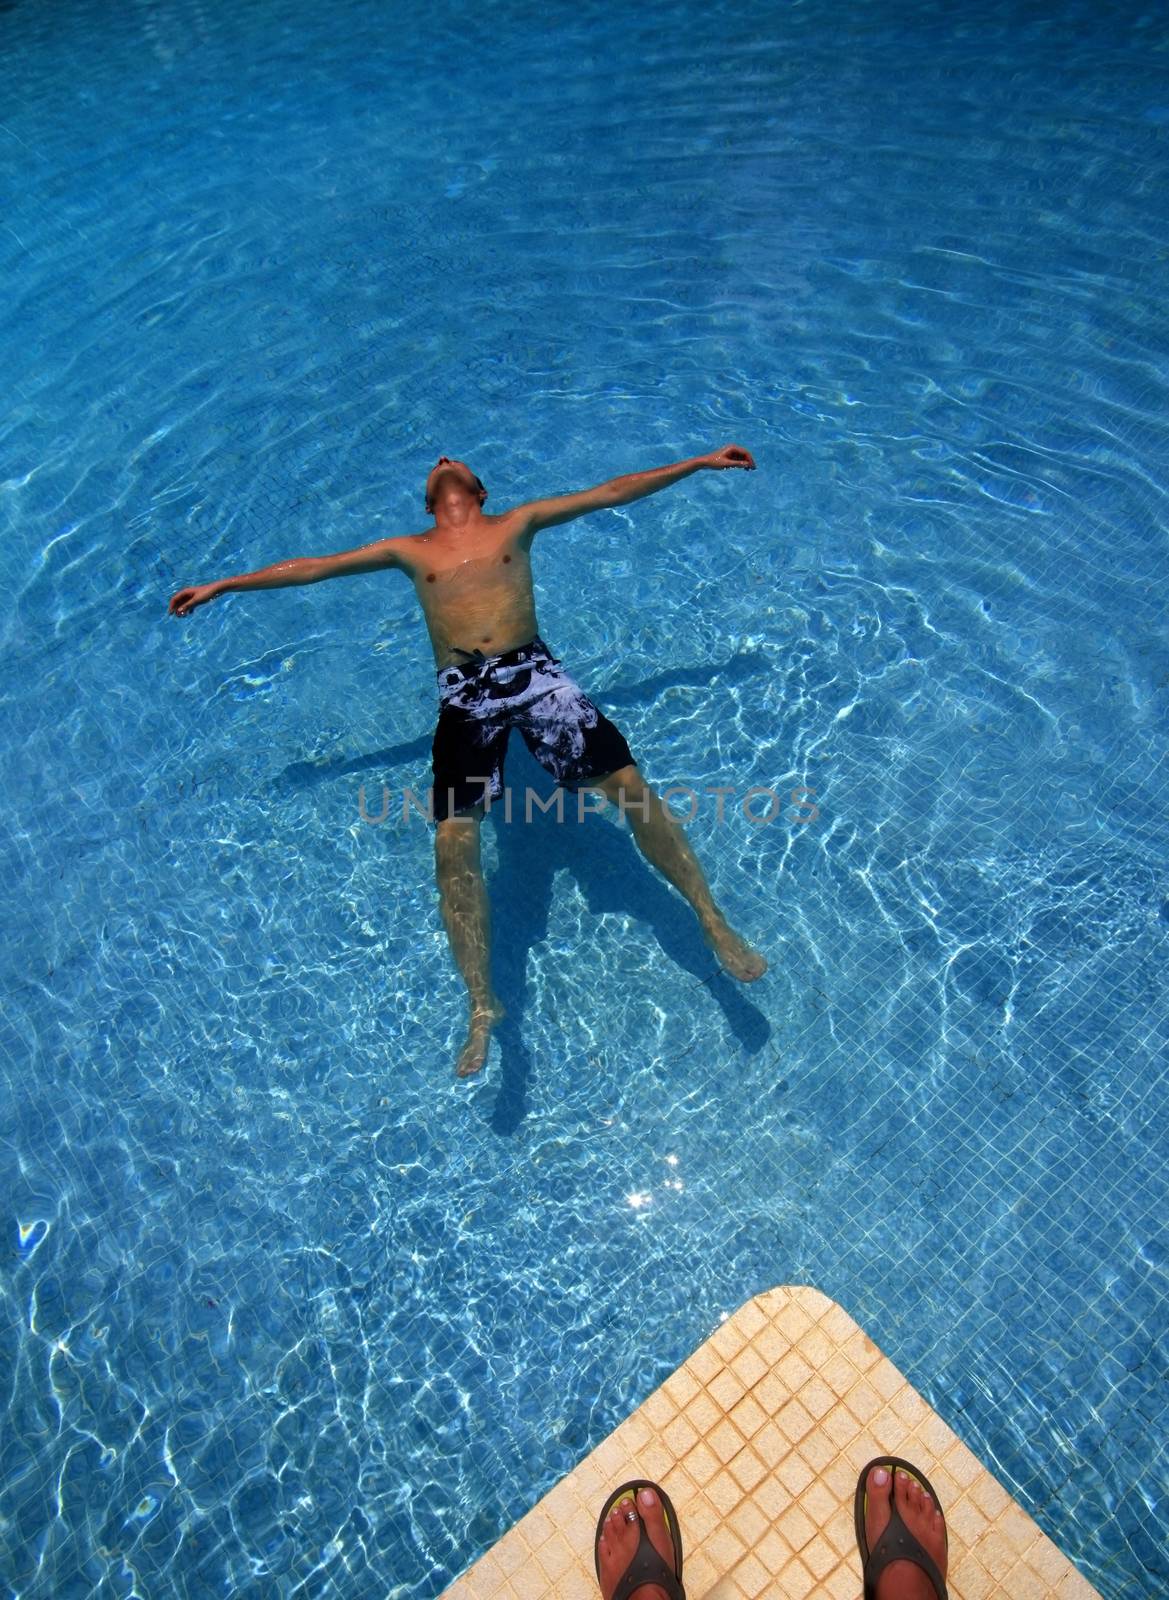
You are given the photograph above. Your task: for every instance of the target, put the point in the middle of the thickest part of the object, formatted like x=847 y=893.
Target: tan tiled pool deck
x=758 y=1439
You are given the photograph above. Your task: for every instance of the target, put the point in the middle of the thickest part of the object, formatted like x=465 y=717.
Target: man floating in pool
x=473 y=577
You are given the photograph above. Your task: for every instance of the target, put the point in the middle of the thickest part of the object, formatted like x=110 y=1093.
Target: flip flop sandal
x=896 y=1543
x=647 y=1565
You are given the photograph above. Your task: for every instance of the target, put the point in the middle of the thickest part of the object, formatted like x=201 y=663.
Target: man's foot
x=902 y=1580
x=474 y=1051
x=621 y=1538
x=735 y=954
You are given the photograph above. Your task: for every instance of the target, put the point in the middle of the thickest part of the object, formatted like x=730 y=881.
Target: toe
x=650 y=1507
x=879 y=1486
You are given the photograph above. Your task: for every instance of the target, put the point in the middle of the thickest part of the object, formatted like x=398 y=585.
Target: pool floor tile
x=758 y=1438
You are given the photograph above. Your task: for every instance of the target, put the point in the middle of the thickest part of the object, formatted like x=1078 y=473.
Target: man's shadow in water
x=614 y=876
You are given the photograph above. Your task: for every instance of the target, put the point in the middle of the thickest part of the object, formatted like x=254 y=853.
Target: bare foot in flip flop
x=620 y=1538
x=904 y=1580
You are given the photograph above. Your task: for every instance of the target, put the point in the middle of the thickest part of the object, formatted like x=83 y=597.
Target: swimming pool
x=286 y=1310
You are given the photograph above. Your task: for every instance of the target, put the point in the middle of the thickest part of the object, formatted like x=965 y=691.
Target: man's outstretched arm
x=286 y=574
x=633 y=486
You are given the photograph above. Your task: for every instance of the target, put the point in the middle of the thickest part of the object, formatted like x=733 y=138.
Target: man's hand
x=185 y=601
x=731 y=455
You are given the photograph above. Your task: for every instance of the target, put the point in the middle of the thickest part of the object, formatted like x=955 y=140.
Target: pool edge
x=758 y=1437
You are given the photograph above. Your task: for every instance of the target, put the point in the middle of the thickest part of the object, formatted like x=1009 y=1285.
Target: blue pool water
x=286 y=1310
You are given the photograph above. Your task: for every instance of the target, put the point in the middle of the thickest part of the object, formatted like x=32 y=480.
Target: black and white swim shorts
x=482 y=700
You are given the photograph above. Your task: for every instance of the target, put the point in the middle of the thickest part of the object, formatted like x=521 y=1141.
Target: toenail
x=646 y=1497
x=880 y=1477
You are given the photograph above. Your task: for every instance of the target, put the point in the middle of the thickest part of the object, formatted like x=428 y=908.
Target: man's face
x=445 y=470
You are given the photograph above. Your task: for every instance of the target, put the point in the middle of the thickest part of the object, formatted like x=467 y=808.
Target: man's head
x=453 y=480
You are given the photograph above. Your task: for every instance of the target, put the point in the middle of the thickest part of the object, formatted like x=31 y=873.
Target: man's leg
x=466 y=916
x=662 y=842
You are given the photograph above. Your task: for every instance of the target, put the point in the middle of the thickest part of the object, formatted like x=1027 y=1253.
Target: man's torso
x=475 y=589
